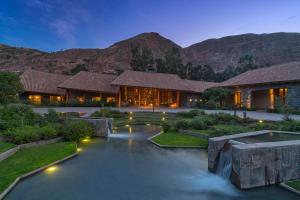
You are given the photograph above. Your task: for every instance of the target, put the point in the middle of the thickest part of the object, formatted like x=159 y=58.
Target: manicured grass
x=27 y=160
x=4 y=146
x=294 y=184
x=178 y=139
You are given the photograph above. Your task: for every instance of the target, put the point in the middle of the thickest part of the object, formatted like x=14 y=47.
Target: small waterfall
x=224 y=167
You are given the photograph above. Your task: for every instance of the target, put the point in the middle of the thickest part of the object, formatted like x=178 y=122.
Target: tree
x=173 y=62
x=10 y=87
x=78 y=68
x=142 y=58
x=216 y=95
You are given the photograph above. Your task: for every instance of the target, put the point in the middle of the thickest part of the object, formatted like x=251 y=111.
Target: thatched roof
x=42 y=82
x=92 y=82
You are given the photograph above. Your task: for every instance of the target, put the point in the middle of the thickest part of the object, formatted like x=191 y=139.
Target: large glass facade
x=146 y=97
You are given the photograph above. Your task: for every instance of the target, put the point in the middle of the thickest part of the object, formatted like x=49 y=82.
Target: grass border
x=172 y=146
x=287 y=187
x=18 y=179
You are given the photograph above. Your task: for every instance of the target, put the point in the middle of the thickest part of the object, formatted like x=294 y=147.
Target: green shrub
x=181 y=124
x=17 y=115
x=75 y=130
x=226 y=118
x=46 y=132
x=289 y=125
x=52 y=116
x=22 y=135
x=107 y=113
x=198 y=123
x=166 y=127
x=190 y=114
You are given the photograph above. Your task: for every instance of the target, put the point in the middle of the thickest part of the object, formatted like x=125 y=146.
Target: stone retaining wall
x=262 y=164
x=102 y=126
x=191 y=133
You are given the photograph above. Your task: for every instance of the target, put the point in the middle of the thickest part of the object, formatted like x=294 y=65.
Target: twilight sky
x=52 y=25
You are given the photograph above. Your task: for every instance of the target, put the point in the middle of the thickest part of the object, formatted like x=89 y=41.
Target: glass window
x=35 y=99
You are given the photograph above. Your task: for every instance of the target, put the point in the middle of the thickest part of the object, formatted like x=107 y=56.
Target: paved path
x=89 y=110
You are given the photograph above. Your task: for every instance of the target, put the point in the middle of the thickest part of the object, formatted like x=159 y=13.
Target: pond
x=271 y=136
x=127 y=167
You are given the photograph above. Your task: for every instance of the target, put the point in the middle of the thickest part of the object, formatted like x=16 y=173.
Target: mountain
x=274 y=48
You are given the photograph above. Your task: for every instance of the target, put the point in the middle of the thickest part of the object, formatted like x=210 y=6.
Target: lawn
x=27 y=160
x=294 y=184
x=4 y=146
x=177 y=139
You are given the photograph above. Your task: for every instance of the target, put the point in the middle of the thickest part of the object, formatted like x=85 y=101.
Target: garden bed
x=175 y=139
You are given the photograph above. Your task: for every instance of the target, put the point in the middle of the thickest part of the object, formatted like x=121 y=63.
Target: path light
x=260 y=121
x=127 y=125
x=87 y=139
x=130 y=118
x=79 y=149
x=147 y=124
x=51 y=169
x=163 y=119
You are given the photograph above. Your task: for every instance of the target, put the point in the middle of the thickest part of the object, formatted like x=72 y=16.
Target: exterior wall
x=293 y=95
x=72 y=95
x=189 y=99
x=45 y=98
x=257 y=96
x=260 y=99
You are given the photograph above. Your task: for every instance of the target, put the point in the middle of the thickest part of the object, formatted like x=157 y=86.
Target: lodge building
x=259 y=88
x=131 y=88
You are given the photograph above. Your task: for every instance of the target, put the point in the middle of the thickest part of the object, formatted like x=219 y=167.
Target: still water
x=127 y=167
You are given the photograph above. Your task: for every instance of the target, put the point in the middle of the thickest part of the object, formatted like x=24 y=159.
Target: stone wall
x=102 y=126
x=263 y=164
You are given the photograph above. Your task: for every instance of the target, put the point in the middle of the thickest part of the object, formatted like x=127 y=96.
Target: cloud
x=41 y=4
x=64 y=29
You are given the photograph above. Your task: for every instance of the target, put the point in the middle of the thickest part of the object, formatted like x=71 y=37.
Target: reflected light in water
x=163 y=119
x=130 y=130
x=130 y=118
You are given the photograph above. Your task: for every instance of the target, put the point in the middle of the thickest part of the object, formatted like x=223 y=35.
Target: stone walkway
x=89 y=110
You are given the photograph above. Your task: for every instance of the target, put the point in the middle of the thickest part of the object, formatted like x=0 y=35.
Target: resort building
x=263 y=88
x=131 y=88
x=41 y=87
x=90 y=87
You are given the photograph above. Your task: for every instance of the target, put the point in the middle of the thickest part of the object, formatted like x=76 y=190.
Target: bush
x=166 y=127
x=289 y=125
x=52 y=116
x=46 y=132
x=190 y=114
x=75 y=130
x=22 y=135
x=17 y=115
x=198 y=123
x=210 y=104
x=226 y=118
x=181 y=124
x=107 y=113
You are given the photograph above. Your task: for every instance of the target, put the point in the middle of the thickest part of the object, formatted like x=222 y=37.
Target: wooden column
x=126 y=94
x=158 y=99
x=120 y=96
x=178 y=97
x=139 y=89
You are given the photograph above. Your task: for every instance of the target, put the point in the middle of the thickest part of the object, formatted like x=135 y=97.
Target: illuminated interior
x=96 y=98
x=110 y=99
x=237 y=98
x=81 y=99
x=35 y=99
x=56 y=98
x=277 y=94
x=148 y=97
